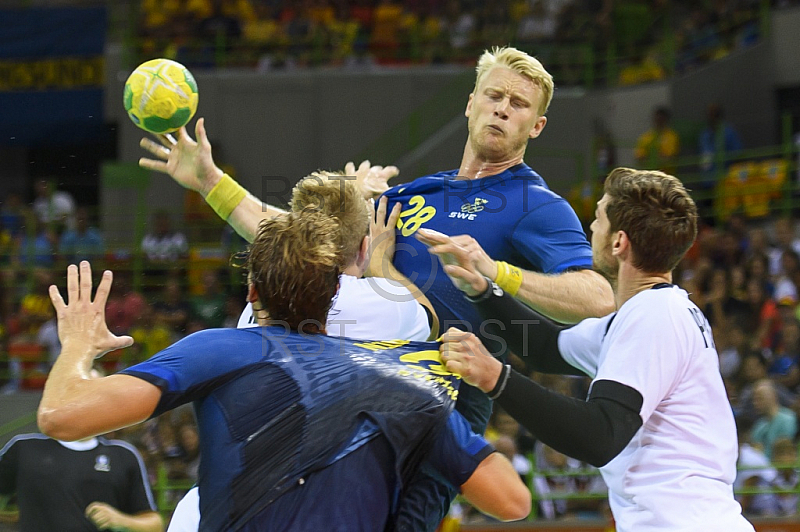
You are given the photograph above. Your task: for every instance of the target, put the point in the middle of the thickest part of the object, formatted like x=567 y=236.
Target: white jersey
x=371 y=308
x=677 y=472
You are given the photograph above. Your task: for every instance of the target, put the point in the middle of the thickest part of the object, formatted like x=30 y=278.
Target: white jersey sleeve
x=186 y=517
x=580 y=345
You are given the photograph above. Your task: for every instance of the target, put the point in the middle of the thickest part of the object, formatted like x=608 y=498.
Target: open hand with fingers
x=382 y=229
x=458 y=261
x=464 y=354
x=372 y=181
x=82 y=321
x=188 y=162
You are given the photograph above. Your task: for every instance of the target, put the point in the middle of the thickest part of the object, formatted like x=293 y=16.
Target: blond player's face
x=602 y=259
x=503 y=114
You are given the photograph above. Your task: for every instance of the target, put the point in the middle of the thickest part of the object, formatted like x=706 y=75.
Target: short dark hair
x=656 y=212
x=294 y=264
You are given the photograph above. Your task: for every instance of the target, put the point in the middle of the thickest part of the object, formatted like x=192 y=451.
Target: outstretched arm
x=191 y=164
x=594 y=431
x=74 y=405
x=567 y=297
x=106 y=517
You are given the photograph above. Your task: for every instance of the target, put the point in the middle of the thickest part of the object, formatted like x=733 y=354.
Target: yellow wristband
x=509 y=277
x=225 y=196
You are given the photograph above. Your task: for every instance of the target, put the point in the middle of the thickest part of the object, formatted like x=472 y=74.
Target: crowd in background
x=743 y=273
x=650 y=38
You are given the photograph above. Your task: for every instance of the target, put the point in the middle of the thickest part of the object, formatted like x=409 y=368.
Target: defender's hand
x=188 y=162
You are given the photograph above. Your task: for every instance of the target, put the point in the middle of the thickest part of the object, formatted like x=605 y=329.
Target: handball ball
x=160 y=96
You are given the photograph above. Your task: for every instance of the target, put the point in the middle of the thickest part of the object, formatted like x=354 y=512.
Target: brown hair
x=294 y=265
x=332 y=194
x=656 y=212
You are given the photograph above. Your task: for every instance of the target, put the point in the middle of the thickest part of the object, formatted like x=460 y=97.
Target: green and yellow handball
x=160 y=96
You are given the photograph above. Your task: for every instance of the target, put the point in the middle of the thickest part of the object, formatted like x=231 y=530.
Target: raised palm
x=188 y=162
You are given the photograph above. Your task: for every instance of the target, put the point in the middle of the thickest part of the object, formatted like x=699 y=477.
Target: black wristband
x=491 y=288
x=502 y=380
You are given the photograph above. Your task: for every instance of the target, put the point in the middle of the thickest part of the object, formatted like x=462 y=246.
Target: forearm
x=75 y=406
x=528 y=334
x=144 y=522
x=593 y=431
x=568 y=297
x=246 y=215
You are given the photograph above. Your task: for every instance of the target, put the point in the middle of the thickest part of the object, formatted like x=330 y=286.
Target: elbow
x=517 y=505
x=53 y=423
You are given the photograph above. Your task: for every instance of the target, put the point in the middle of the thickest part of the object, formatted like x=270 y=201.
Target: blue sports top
x=310 y=432
x=513 y=215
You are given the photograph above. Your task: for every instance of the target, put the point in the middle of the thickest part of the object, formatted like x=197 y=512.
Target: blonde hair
x=522 y=64
x=294 y=265
x=333 y=194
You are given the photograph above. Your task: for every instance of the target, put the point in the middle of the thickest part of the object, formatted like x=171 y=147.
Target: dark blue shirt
x=300 y=430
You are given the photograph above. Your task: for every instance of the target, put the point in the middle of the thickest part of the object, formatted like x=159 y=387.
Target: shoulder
x=24 y=440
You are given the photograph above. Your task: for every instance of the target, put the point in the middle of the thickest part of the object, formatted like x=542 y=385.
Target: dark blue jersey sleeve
x=551 y=238
x=458 y=451
x=187 y=369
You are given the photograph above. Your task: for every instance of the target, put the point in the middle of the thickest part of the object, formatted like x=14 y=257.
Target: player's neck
x=475 y=167
x=631 y=281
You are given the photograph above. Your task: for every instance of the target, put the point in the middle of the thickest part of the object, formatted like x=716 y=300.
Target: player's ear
x=537 y=128
x=468 y=110
x=252 y=294
x=620 y=244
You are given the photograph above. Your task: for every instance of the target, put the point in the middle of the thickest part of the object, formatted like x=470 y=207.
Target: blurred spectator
x=150 y=335
x=731 y=344
x=784 y=368
x=506 y=446
x=753 y=472
x=210 y=305
x=774 y=421
x=53 y=207
x=12 y=214
x=85 y=242
x=125 y=305
x=753 y=371
x=163 y=244
x=35 y=307
x=785 y=240
x=40 y=248
x=538 y=25
x=548 y=484
x=764 y=319
x=717 y=141
x=657 y=148
x=172 y=308
x=784 y=458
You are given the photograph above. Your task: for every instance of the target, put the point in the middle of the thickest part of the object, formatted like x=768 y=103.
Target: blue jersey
x=512 y=215
x=288 y=421
x=515 y=218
